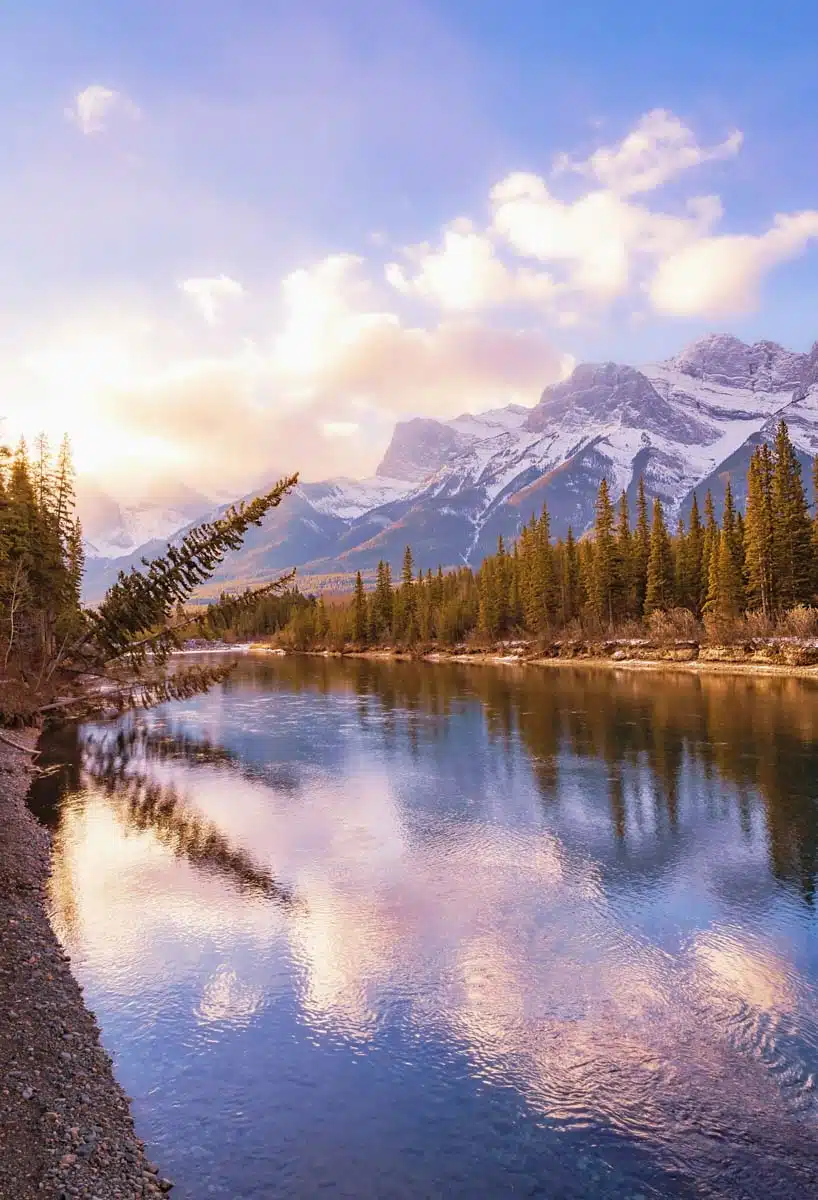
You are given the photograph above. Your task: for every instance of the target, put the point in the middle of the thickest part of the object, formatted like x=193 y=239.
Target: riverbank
x=65 y=1124
x=795 y=658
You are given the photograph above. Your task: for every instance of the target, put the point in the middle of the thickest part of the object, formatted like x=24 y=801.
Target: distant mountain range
x=449 y=488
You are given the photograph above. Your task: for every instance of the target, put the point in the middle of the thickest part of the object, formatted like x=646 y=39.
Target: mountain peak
x=724 y=359
x=596 y=391
x=418 y=448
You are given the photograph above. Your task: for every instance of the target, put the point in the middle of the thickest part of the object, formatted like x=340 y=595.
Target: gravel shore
x=65 y=1125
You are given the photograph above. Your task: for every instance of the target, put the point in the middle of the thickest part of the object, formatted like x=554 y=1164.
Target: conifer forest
x=716 y=576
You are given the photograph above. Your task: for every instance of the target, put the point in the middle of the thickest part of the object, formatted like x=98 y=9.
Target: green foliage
x=48 y=643
x=766 y=560
x=659 y=593
x=792 y=533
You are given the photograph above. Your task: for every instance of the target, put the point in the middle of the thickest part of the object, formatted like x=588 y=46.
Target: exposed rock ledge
x=65 y=1125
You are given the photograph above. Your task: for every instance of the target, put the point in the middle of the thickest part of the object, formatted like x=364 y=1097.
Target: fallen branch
x=4 y=737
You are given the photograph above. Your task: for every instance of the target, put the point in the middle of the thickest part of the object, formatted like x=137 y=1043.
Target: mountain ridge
x=450 y=488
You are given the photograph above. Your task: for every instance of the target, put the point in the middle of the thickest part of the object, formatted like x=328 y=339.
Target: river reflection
x=406 y=930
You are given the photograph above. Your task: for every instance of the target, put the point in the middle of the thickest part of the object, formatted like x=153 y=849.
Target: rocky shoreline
x=793 y=658
x=65 y=1124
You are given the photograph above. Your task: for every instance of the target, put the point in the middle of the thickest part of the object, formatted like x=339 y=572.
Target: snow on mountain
x=136 y=526
x=422 y=446
x=114 y=529
x=449 y=488
x=351 y=498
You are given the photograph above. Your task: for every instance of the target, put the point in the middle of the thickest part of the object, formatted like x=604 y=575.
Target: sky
x=243 y=239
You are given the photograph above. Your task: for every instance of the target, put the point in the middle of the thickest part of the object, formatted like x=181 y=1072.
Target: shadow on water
x=116 y=765
x=615 y=956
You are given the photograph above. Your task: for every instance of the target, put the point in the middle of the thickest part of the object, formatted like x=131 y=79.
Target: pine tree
x=515 y=604
x=64 y=493
x=758 y=534
x=792 y=531
x=537 y=573
x=384 y=601
x=404 y=612
x=725 y=593
x=502 y=584
x=708 y=542
x=641 y=548
x=626 y=582
x=489 y=594
x=604 y=570
x=360 y=624
x=691 y=588
x=573 y=581
x=659 y=591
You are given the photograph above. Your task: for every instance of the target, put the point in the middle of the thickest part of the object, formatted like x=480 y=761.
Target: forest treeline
x=41 y=554
x=754 y=571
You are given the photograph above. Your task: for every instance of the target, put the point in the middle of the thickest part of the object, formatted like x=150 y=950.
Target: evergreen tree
x=691 y=581
x=659 y=591
x=626 y=589
x=361 y=623
x=792 y=531
x=384 y=601
x=515 y=603
x=641 y=548
x=758 y=533
x=708 y=542
x=604 y=570
x=404 y=612
x=725 y=594
x=573 y=582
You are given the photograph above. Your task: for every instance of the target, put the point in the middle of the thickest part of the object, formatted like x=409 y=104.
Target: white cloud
x=657 y=148
x=209 y=295
x=94 y=105
x=335 y=345
x=466 y=275
x=596 y=238
x=718 y=276
x=320 y=393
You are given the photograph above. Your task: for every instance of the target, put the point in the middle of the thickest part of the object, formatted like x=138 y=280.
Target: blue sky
x=259 y=209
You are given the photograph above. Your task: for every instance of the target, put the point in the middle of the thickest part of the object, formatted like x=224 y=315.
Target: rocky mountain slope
x=449 y=488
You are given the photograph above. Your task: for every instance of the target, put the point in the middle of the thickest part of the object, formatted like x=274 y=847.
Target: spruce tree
x=604 y=570
x=573 y=581
x=659 y=591
x=725 y=593
x=759 y=557
x=384 y=601
x=626 y=582
x=694 y=551
x=708 y=542
x=792 y=531
x=641 y=547
x=360 y=622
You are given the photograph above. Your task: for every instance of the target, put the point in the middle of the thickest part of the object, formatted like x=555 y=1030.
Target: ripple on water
x=465 y=933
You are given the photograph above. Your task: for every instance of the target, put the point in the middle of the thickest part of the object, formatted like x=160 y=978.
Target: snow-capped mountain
x=449 y=488
x=114 y=529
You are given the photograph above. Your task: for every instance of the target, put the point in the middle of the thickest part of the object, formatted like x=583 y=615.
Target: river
x=371 y=929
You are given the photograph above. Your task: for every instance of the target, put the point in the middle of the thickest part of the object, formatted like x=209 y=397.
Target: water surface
x=400 y=930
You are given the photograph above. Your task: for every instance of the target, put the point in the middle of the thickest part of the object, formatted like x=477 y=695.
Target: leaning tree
x=117 y=655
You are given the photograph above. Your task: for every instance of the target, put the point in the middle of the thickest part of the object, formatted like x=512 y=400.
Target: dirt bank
x=65 y=1125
